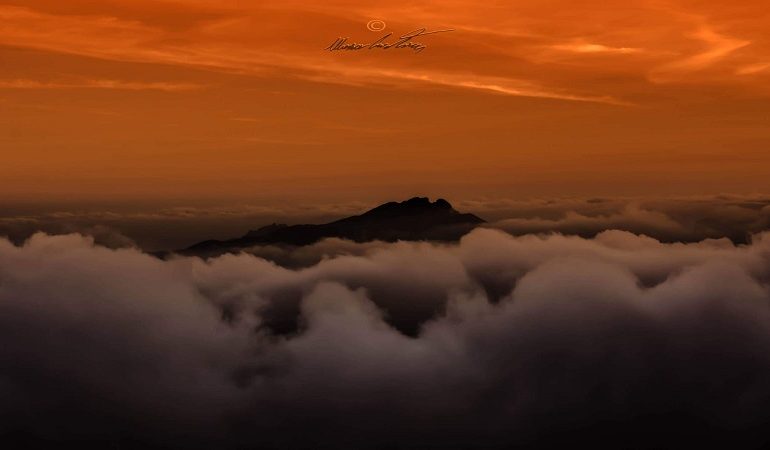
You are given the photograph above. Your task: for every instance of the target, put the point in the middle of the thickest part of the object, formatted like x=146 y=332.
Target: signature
x=404 y=41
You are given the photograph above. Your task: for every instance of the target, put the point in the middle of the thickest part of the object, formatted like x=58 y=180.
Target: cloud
x=517 y=50
x=617 y=341
x=586 y=47
x=752 y=69
x=167 y=228
x=99 y=84
x=717 y=47
x=631 y=217
x=688 y=219
x=226 y=44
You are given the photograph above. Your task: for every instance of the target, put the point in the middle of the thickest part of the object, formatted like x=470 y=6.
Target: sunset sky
x=202 y=100
x=220 y=229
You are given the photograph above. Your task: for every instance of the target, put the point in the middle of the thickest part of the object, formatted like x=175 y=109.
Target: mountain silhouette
x=415 y=219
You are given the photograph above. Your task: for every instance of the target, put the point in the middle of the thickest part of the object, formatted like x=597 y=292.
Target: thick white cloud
x=496 y=341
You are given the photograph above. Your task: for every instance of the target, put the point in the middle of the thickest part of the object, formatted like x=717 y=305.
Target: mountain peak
x=441 y=203
x=415 y=205
x=414 y=219
x=424 y=202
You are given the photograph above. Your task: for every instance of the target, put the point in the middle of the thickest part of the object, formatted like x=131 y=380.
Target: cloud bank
x=687 y=219
x=498 y=341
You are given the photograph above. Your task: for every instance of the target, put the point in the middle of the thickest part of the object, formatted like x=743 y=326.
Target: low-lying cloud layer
x=688 y=219
x=497 y=341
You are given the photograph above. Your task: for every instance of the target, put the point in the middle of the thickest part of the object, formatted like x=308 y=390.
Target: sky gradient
x=144 y=101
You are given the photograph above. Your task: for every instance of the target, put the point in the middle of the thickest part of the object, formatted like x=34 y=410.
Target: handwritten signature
x=404 y=41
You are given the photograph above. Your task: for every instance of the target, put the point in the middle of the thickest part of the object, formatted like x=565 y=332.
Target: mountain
x=415 y=219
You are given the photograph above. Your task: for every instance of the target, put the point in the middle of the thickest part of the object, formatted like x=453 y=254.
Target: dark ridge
x=416 y=219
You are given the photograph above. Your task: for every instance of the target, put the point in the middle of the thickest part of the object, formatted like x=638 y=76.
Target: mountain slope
x=415 y=219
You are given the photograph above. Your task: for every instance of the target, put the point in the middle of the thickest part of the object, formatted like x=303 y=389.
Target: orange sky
x=141 y=100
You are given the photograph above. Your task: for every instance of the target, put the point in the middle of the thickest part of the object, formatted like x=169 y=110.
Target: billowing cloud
x=497 y=341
